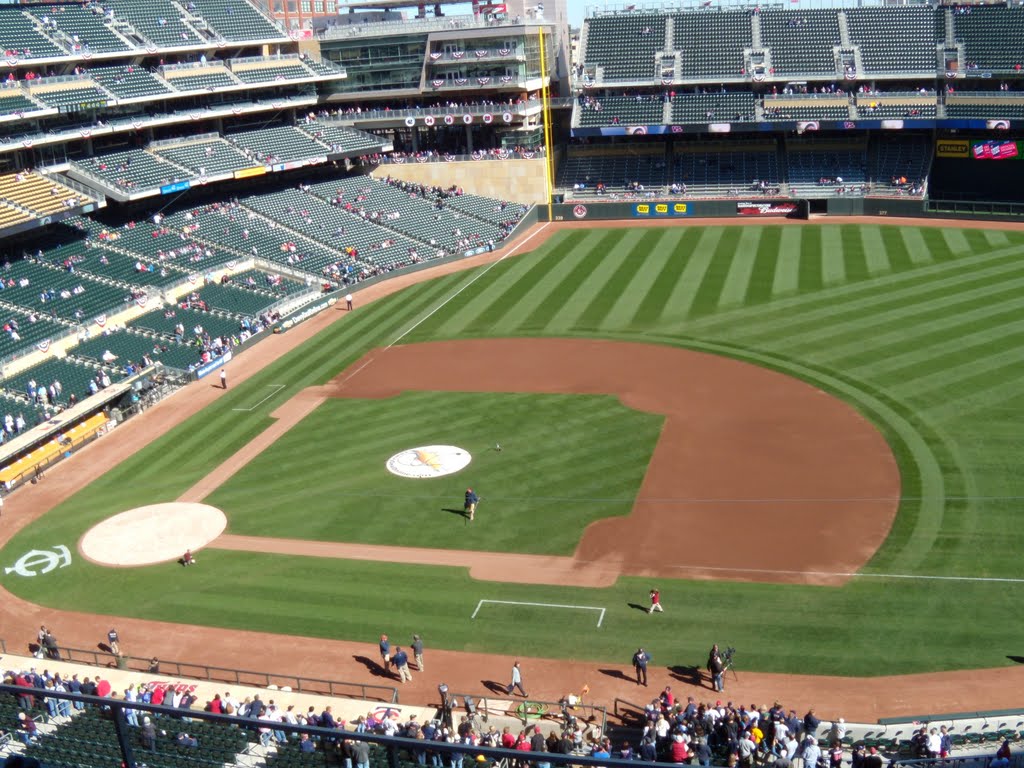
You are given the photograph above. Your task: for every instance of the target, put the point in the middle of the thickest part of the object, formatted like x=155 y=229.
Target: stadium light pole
x=545 y=116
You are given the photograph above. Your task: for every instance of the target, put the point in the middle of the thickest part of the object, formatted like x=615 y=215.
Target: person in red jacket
x=655 y=601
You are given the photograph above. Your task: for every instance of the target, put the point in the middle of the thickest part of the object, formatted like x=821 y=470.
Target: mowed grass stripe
x=766 y=257
x=538 y=268
x=900 y=317
x=811 y=250
x=934 y=359
x=654 y=251
x=956 y=241
x=989 y=380
x=787 y=271
x=678 y=305
x=709 y=291
x=634 y=247
x=834 y=256
x=560 y=292
x=995 y=237
x=737 y=279
x=827 y=300
x=896 y=248
x=679 y=247
x=464 y=308
x=876 y=255
x=920 y=253
x=603 y=267
x=573 y=263
x=786 y=317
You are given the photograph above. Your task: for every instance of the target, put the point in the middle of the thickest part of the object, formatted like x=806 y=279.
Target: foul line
x=261 y=402
x=444 y=303
x=600 y=618
x=850 y=574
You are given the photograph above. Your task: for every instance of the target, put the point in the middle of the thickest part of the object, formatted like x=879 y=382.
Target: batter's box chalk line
x=275 y=387
x=600 y=618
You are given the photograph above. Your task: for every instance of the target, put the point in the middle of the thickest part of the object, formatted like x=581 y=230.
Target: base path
x=740 y=442
x=853 y=698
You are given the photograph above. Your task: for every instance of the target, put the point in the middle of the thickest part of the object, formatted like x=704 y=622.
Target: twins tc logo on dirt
x=428 y=461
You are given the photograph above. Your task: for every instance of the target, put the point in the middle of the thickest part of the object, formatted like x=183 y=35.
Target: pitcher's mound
x=154 y=534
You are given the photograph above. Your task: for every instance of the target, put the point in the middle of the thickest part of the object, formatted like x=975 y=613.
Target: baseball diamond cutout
x=756 y=475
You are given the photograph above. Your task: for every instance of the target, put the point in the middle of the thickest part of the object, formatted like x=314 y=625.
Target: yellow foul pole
x=545 y=114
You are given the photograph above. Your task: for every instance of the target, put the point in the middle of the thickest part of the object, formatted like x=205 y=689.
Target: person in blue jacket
x=471 y=501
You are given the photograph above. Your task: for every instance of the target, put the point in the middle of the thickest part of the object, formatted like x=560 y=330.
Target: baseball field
x=807 y=436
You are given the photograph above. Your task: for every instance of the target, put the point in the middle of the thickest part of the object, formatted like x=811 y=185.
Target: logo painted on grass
x=39 y=561
x=428 y=461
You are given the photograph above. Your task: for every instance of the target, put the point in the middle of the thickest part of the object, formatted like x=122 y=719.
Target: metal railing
x=529 y=710
x=405 y=26
x=336 y=688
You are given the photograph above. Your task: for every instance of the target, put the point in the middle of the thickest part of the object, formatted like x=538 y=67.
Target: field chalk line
x=600 y=618
x=444 y=303
x=850 y=574
x=279 y=387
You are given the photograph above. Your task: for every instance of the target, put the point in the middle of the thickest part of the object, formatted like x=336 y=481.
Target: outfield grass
x=921 y=329
x=553 y=477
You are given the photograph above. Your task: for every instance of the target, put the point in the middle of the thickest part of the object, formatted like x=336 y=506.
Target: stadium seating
x=93 y=258
x=133 y=169
x=487 y=209
x=236 y=20
x=237 y=300
x=159 y=322
x=129 y=82
x=714 y=169
x=200 y=78
x=131 y=345
x=613 y=168
x=278 y=285
x=801 y=41
x=271 y=71
x=342 y=139
x=995 y=110
x=912 y=50
x=41 y=194
x=159 y=21
x=811 y=160
x=9 y=216
x=713 y=107
x=622 y=110
x=80 y=29
x=69 y=95
x=895 y=155
x=993 y=37
x=711 y=43
x=204 y=157
x=74 y=376
x=277 y=145
x=13 y=101
x=625 y=45
x=58 y=293
x=331 y=228
x=416 y=217
x=20 y=38
x=32 y=328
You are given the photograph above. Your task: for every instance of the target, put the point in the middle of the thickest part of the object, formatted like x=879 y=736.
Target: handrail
x=264 y=59
x=465 y=21
x=530 y=709
x=338 y=688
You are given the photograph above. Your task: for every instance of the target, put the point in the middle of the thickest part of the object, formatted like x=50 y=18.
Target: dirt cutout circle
x=157 y=533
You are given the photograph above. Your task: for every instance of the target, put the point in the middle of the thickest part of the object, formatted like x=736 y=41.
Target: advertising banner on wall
x=645 y=210
x=766 y=209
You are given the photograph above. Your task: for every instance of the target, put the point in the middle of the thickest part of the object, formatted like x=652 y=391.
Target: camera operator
x=716 y=667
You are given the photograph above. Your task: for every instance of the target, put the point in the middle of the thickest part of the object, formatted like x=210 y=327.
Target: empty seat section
x=713 y=107
x=133 y=169
x=621 y=110
x=236 y=20
x=625 y=45
x=270 y=72
x=159 y=21
x=711 y=43
x=21 y=38
x=80 y=29
x=206 y=157
x=912 y=50
x=78 y=95
x=825 y=168
x=13 y=101
x=802 y=41
x=38 y=193
x=341 y=139
x=715 y=170
x=993 y=37
x=613 y=168
x=129 y=82
x=277 y=145
x=200 y=78
x=892 y=158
